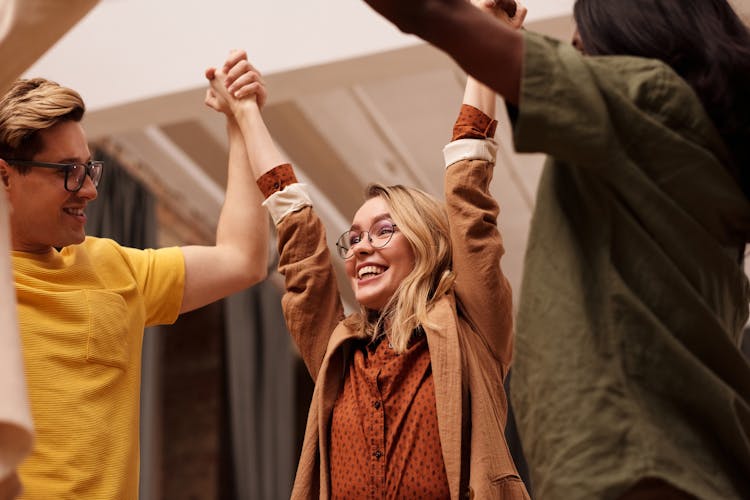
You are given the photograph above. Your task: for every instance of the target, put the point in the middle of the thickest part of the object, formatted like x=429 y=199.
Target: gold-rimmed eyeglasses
x=379 y=235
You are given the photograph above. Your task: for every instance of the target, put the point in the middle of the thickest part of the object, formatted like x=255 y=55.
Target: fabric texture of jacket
x=470 y=350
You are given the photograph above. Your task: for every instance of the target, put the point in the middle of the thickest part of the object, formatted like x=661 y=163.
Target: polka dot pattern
x=276 y=179
x=384 y=432
x=472 y=123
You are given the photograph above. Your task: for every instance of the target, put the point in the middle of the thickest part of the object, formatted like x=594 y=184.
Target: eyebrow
x=74 y=160
x=375 y=219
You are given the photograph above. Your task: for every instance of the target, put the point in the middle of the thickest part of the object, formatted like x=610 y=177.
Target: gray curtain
x=123 y=209
x=261 y=365
x=125 y=212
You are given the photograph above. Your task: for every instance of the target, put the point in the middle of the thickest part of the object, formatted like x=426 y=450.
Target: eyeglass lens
x=379 y=235
x=75 y=175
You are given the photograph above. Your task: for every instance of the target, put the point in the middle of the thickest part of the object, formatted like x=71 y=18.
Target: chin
x=77 y=240
x=371 y=303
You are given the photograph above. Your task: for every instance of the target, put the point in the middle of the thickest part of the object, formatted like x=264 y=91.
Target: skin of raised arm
x=476 y=93
x=240 y=86
x=480 y=96
x=311 y=303
x=482 y=45
x=496 y=327
x=240 y=257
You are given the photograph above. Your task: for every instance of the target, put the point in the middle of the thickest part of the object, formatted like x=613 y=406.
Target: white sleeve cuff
x=470 y=149
x=292 y=198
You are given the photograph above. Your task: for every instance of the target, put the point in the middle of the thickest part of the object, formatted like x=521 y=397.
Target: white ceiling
x=346 y=112
x=379 y=118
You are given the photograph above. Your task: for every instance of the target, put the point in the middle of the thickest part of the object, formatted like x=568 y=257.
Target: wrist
x=473 y=123
x=244 y=107
x=233 y=127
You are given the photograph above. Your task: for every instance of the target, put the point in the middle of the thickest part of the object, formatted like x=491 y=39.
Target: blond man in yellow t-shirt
x=83 y=302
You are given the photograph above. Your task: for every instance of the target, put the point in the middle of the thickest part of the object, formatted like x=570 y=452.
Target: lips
x=369 y=271
x=77 y=212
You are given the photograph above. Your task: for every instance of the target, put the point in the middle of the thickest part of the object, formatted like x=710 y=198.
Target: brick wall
x=195 y=456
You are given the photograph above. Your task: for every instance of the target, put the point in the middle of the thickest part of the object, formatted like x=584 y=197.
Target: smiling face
x=44 y=214
x=376 y=273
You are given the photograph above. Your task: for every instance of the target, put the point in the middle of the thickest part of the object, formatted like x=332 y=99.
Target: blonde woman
x=629 y=381
x=408 y=400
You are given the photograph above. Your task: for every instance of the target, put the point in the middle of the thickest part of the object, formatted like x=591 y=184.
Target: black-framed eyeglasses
x=75 y=173
x=379 y=235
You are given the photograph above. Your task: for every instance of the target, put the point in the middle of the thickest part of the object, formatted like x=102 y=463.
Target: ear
x=5 y=174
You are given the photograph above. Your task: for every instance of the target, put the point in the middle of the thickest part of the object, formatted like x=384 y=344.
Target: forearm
x=240 y=257
x=261 y=148
x=243 y=223
x=311 y=303
x=480 y=96
x=481 y=285
x=473 y=213
x=483 y=46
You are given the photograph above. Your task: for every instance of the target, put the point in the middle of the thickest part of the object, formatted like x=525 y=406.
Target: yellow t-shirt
x=81 y=313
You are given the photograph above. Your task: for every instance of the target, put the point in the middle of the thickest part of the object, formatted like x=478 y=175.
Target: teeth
x=74 y=211
x=375 y=270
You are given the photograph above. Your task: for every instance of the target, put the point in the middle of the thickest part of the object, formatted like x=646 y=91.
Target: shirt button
x=377 y=405
x=378 y=454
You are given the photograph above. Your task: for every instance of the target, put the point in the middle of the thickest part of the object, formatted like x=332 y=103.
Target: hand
x=237 y=80
x=509 y=11
x=217 y=96
x=243 y=79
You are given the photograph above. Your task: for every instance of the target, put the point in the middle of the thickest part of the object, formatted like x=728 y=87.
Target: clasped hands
x=236 y=83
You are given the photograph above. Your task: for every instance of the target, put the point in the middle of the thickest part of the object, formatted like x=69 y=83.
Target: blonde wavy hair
x=30 y=106
x=424 y=223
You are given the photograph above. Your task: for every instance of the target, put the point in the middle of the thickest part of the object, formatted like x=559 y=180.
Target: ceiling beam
x=283 y=86
x=167 y=172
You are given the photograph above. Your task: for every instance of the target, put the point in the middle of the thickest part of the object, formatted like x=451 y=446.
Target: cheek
x=349 y=266
x=405 y=263
x=408 y=258
x=408 y=267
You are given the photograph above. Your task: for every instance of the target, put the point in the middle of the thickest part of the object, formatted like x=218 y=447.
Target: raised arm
x=467 y=34
x=240 y=256
x=238 y=89
x=481 y=286
x=509 y=14
x=311 y=303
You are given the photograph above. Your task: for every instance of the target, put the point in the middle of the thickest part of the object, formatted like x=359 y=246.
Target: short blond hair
x=30 y=106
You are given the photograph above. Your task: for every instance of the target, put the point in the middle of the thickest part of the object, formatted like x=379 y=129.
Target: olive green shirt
x=634 y=300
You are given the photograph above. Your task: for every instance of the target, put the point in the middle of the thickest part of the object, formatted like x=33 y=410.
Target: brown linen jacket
x=470 y=352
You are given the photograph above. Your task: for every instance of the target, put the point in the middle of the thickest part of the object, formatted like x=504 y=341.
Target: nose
x=88 y=191
x=365 y=244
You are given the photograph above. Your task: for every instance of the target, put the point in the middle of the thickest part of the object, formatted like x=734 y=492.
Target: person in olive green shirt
x=628 y=381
